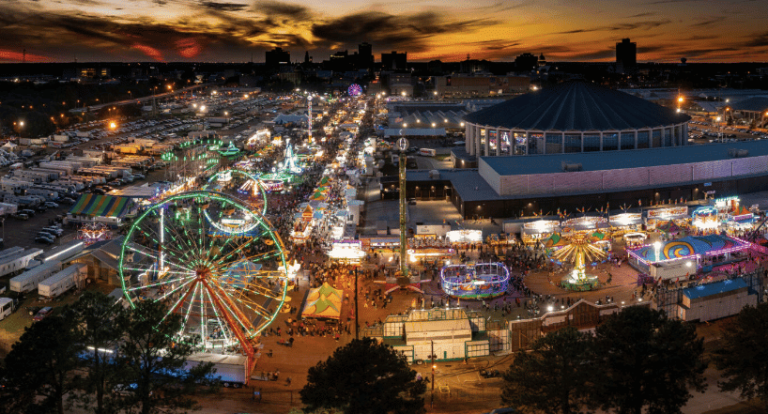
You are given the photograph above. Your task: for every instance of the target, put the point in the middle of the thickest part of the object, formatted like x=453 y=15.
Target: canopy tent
x=323 y=302
x=597 y=236
x=101 y=206
x=319 y=196
x=307 y=213
x=555 y=240
x=325 y=180
x=669 y=227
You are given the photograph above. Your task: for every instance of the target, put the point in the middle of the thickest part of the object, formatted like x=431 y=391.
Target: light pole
x=402 y=145
x=720 y=135
x=432 y=399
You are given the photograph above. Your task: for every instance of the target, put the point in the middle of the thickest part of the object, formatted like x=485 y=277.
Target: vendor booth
x=535 y=231
x=657 y=216
x=348 y=251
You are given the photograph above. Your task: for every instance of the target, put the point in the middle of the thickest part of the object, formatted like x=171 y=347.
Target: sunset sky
x=193 y=30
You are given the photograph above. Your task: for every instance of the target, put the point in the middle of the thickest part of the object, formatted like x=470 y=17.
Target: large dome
x=576 y=106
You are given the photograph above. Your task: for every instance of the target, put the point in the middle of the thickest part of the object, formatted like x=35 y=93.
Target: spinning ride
x=475 y=281
x=252 y=188
x=227 y=289
x=579 y=250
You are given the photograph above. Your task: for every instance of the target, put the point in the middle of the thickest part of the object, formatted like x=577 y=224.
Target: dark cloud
x=709 y=22
x=671 y=1
x=704 y=52
x=758 y=40
x=642 y=25
x=276 y=8
x=223 y=6
x=646 y=14
x=389 y=31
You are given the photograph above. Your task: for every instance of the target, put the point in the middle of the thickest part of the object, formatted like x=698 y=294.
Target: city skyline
x=239 y=30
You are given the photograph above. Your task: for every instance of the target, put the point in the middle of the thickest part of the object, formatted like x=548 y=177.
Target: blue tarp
x=714 y=288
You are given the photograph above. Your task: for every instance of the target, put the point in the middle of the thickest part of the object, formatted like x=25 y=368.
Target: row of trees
x=102 y=357
x=637 y=361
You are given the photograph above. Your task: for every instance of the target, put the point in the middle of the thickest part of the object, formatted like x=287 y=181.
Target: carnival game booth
x=658 y=216
x=585 y=224
x=475 y=281
x=464 y=238
x=323 y=302
x=430 y=248
x=740 y=219
x=92 y=209
x=302 y=226
x=347 y=251
x=624 y=223
x=684 y=257
x=534 y=232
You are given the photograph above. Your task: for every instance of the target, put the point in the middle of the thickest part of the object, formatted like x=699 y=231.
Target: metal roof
x=612 y=160
x=714 y=288
x=756 y=104
x=576 y=106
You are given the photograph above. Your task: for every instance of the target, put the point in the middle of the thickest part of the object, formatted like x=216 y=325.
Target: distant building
x=394 y=61
x=480 y=86
x=365 y=55
x=626 y=57
x=94 y=72
x=277 y=57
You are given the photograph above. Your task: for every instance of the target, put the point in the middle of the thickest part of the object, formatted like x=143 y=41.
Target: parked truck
x=232 y=370
x=28 y=281
x=17 y=261
x=72 y=276
x=7 y=306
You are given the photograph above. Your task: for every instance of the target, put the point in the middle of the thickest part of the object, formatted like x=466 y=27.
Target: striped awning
x=101 y=206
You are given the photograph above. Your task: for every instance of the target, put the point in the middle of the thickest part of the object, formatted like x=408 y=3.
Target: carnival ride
x=354 y=90
x=475 y=281
x=226 y=289
x=289 y=170
x=253 y=187
x=578 y=249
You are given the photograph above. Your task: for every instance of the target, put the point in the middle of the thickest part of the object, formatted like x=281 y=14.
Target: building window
x=554 y=143
x=642 y=139
x=572 y=143
x=656 y=138
x=536 y=144
x=610 y=142
x=628 y=140
x=521 y=143
x=591 y=143
x=668 y=137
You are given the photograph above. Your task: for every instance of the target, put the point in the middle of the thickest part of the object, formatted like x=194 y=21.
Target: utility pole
x=403 y=145
x=432 y=399
x=357 y=309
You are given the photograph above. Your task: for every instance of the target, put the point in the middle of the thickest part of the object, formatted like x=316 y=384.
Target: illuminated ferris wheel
x=214 y=260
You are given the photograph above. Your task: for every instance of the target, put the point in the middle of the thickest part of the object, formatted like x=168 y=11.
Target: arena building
x=519 y=186
x=573 y=117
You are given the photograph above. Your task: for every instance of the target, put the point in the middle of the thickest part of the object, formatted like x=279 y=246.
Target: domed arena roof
x=576 y=106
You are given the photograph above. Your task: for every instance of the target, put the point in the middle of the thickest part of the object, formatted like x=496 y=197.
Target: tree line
x=102 y=357
x=637 y=361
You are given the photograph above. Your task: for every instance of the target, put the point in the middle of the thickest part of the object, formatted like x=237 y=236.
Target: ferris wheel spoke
x=153 y=256
x=238 y=315
x=176 y=289
x=189 y=308
x=167 y=247
x=178 y=239
x=163 y=283
x=253 y=258
x=262 y=291
x=224 y=331
x=181 y=299
x=252 y=305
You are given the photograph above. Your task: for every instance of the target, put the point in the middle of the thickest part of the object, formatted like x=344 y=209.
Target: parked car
x=20 y=216
x=42 y=314
x=51 y=204
x=67 y=200
x=56 y=230
x=116 y=182
x=50 y=233
x=29 y=212
x=44 y=239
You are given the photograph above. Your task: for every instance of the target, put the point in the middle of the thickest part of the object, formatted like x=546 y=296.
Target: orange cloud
x=12 y=56
x=188 y=48
x=149 y=51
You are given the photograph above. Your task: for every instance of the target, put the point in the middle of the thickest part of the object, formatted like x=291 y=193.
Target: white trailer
x=6 y=307
x=8 y=208
x=232 y=370
x=72 y=276
x=27 y=281
x=17 y=261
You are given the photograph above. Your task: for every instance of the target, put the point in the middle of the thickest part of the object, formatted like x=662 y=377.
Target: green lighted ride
x=227 y=287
